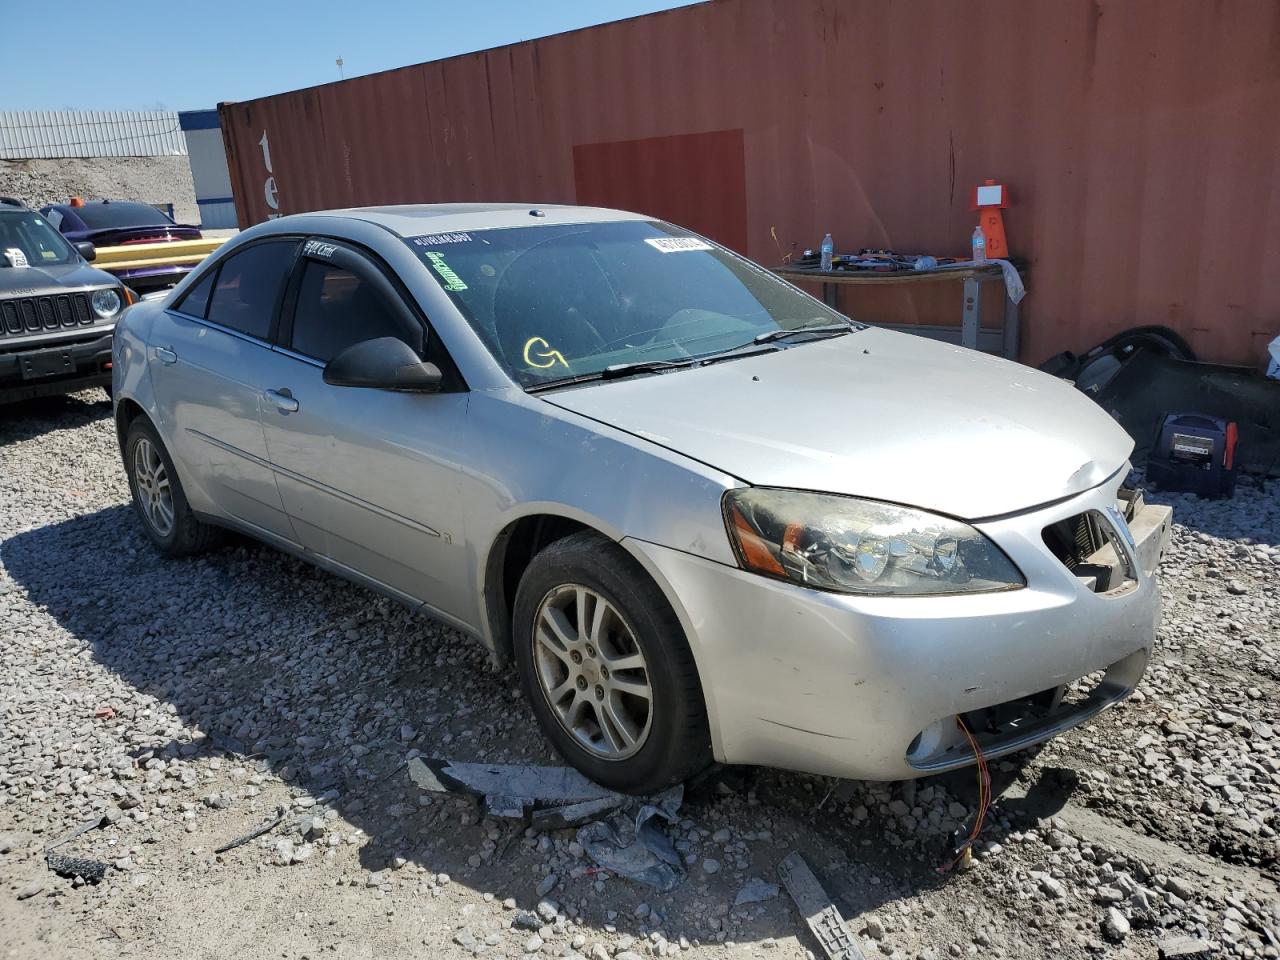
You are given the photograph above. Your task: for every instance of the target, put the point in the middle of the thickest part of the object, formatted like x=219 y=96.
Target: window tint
x=248 y=286
x=196 y=302
x=336 y=309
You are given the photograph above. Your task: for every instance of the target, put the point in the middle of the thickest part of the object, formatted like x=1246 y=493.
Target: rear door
x=209 y=362
x=368 y=477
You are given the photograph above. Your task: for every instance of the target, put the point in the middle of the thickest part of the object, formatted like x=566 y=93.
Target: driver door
x=368 y=477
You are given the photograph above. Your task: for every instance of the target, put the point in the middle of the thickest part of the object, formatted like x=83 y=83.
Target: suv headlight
x=861 y=546
x=106 y=303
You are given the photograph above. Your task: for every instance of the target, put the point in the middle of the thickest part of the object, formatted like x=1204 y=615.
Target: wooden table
x=971 y=333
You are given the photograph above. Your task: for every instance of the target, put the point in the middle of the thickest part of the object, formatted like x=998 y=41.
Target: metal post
x=971 y=318
x=1011 y=331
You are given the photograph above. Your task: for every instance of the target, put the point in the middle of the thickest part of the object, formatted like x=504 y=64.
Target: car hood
x=875 y=414
x=56 y=278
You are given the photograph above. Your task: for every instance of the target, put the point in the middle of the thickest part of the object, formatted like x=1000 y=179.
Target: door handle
x=283 y=400
x=166 y=355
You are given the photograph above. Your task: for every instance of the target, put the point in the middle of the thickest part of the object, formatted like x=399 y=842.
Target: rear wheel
x=158 y=498
x=607 y=668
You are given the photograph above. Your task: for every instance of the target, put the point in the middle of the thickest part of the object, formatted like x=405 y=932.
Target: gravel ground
x=148 y=179
x=186 y=701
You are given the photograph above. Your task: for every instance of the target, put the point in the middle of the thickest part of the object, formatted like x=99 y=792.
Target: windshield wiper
x=644 y=366
x=819 y=328
x=614 y=372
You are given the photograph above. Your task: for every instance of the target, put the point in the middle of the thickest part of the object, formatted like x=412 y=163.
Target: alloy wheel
x=151 y=480
x=592 y=672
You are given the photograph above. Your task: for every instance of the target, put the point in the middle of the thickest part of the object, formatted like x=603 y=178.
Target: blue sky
x=174 y=55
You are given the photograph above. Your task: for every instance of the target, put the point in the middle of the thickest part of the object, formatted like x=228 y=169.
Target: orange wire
x=984 y=796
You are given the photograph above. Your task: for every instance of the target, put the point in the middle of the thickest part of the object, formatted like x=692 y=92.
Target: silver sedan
x=704 y=515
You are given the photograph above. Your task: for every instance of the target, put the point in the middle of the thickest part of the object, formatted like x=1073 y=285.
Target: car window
x=106 y=215
x=565 y=300
x=248 y=287
x=336 y=308
x=196 y=302
x=34 y=241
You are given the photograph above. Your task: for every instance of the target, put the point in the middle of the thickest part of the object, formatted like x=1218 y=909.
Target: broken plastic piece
x=819 y=912
x=547 y=784
x=755 y=890
x=560 y=797
x=575 y=814
x=90 y=871
x=651 y=858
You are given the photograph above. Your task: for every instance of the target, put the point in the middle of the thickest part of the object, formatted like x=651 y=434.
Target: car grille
x=27 y=315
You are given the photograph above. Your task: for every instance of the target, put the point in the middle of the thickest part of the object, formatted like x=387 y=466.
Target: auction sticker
x=678 y=244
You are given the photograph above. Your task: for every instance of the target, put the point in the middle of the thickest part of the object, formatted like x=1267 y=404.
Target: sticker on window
x=677 y=244
x=452 y=281
x=318 y=248
x=439 y=239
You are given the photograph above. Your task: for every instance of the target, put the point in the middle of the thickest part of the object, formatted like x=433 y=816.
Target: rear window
x=117 y=214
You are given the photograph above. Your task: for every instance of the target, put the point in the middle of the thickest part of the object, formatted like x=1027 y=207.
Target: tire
x=184 y=535
x=670 y=741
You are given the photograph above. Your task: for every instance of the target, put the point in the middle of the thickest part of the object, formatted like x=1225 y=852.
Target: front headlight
x=106 y=303
x=861 y=546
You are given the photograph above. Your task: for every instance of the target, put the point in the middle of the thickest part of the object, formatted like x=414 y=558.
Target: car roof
x=412 y=220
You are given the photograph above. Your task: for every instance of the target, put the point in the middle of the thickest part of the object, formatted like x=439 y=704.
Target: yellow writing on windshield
x=546 y=357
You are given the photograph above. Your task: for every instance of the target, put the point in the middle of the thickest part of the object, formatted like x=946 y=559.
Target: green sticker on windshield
x=452 y=281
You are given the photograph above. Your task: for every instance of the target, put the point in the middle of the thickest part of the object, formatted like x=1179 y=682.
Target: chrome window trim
x=295 y=355
x=248 y=337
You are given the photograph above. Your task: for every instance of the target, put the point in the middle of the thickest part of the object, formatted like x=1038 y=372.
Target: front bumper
x=870 y=687
x=82 y=362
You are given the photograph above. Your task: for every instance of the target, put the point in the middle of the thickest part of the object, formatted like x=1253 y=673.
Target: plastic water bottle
x=828 y=251
x=979 y=244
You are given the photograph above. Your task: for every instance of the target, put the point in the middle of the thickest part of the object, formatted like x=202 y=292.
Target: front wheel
x=158 y=497
x=607 y=669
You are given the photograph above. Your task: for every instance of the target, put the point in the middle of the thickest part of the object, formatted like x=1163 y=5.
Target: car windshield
x=565 y=301
x=106 y=216
x=38 y=242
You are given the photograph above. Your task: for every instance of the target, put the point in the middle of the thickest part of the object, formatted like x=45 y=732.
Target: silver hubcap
x=592 y=672
x=152 y=483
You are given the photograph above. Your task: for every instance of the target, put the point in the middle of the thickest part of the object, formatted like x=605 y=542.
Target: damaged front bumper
x=870 y=687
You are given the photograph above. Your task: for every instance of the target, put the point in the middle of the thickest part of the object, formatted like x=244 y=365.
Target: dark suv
x=56 y=312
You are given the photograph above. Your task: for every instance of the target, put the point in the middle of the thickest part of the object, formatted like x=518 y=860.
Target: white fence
x=26 y=134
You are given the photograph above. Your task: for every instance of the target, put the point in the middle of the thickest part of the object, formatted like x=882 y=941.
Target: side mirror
x=386 y=363
x=87 y=250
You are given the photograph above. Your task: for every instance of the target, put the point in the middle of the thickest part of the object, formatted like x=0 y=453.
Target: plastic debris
x=513 y=780
x=650 y=857
x=755 y=890
x=88 y=870
x=819 y=912
x=559 y=797
x=576 y=814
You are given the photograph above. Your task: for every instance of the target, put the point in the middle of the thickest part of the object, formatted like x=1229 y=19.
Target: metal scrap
x=256 y=832
x=819 y=912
